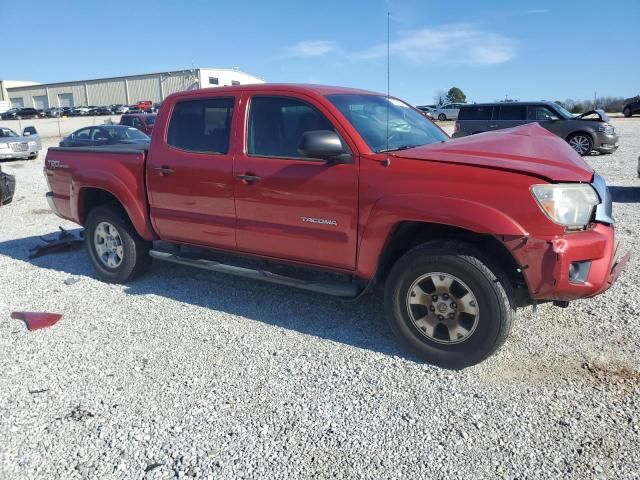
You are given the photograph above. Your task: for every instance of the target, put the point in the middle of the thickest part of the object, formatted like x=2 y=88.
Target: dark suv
x=586 y=132
x=631 y=108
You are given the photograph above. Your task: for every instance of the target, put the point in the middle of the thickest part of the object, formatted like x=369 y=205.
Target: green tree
x=455 y=95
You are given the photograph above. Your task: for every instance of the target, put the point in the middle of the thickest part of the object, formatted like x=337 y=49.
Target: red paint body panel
x=37 y=320
x=479 y=183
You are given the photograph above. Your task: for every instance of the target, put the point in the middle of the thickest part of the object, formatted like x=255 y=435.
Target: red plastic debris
x=37 y=320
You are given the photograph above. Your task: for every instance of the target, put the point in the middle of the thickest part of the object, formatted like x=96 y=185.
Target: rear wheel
x=116 y=250
x=447 y=305
x=442 y=117
x=581 y=143
x=627 y=112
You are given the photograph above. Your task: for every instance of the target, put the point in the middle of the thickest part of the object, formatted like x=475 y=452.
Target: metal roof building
x=120 y=90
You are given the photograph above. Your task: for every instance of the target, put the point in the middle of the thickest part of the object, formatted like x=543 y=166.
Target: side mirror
x=553 y=118
x=323 y=144
x=29 y=131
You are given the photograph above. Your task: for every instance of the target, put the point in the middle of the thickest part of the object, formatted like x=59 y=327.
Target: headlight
x=608 y=129
x=4 y=146
x=32 y=144
x=569 y=204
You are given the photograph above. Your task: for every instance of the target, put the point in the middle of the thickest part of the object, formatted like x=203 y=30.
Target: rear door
x=510 y=115
x=190 y=175
x=475 y=119
x=290 y=206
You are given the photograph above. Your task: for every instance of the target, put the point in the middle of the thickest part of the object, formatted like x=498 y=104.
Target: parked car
x=144 y=104
x=448 y=111
x=101 y=111
x=120 y=109
x=14 y=146
x=631 y=108
x=142 y=121
x=20 y=113
x=428 y=111
x=459 y=232
x=7 y=187
x=134 y=109
x=79 y=111
x=586 y=132
x=104 y=135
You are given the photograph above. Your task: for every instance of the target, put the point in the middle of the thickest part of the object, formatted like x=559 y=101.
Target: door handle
x=493 y=125
x=249 y=179
x=163 y=171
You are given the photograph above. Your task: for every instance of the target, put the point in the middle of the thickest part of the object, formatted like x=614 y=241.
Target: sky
x=526 y=50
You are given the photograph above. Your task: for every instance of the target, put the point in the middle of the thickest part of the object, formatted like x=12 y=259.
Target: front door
x=290 y=206
x=190 y=177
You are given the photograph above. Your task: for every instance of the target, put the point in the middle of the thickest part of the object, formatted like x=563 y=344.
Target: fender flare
x=117 y=185
x=387 y=212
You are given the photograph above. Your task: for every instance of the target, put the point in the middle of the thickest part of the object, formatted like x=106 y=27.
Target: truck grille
x=19 y=147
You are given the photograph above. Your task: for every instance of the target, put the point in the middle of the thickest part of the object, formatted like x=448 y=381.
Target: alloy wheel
x=443 y=308
x=108 y=245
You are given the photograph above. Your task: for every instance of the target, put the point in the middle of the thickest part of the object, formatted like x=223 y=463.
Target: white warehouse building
x=117 y=90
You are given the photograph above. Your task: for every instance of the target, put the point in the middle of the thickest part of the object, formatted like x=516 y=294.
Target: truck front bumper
x=571 y=266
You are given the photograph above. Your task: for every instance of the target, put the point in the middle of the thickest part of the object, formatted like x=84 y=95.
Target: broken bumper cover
x=7 y=188
x=572 y=266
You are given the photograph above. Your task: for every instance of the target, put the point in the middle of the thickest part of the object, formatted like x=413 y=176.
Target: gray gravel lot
x=186 y=373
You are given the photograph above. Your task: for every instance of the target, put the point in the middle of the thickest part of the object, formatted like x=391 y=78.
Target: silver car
x=448 y=111
x=14 y=146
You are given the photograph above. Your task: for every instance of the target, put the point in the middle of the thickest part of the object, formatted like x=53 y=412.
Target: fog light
x=578 y=271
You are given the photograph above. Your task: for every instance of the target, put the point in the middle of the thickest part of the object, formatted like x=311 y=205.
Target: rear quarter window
x=475 y=113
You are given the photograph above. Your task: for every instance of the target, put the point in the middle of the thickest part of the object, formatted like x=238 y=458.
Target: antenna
x=386 y=162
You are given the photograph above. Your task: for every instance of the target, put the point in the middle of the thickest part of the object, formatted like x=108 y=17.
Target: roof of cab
x=276 y=87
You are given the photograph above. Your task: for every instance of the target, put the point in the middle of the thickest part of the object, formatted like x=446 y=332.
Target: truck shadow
x=625 y=194
x=360 y=324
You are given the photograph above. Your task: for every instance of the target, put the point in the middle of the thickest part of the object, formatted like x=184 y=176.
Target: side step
x=338 y=289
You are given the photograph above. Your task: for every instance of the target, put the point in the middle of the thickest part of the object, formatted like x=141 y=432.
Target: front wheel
x=581 y=143
x=627 y=112
x=442 y=117
x=116 y=250
x=447 y=305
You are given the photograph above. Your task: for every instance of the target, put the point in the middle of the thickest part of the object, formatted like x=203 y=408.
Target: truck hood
x=600 y=113
x=529 y=149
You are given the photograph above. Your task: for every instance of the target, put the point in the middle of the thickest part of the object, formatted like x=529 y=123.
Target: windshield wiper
x=395 y=149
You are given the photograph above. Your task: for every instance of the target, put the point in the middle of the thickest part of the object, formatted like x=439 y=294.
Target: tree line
x=608 y=104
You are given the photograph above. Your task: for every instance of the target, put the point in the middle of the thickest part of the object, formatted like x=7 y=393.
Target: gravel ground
x=191 y=374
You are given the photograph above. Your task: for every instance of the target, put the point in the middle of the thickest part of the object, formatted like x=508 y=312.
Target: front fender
x=123 y=184
x=456 y=212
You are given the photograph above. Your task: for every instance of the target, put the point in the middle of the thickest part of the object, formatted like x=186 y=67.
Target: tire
x=487 y=327
x=32 y=157
x=130 y=251
x=581 y=143
x=627 y=112
x=442 y=117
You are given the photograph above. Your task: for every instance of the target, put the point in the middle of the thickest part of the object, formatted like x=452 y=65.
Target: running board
x=338 y=289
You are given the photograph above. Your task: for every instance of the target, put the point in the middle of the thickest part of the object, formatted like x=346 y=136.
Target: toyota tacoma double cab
x=338 y=191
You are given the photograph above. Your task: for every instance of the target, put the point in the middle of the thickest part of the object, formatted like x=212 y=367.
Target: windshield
x=128 y=133
x=562 y=111
x=7 y=132
x=368 y=114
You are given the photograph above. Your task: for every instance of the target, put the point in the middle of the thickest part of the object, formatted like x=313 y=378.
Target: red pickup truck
x=338 y=190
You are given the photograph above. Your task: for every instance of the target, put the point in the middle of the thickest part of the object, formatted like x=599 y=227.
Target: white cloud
x=451 y=44
x=536 y=10
x=311 y=48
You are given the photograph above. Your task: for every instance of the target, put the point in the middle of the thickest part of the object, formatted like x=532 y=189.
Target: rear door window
x=475 y=113
x=201 y=125
x=512 y=112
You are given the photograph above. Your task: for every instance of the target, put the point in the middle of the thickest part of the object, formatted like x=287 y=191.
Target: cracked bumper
x=546 y=263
